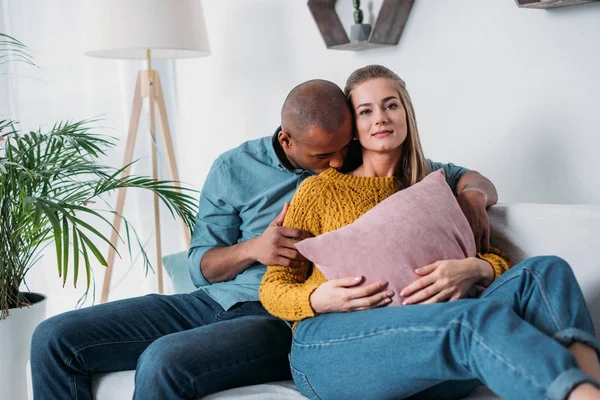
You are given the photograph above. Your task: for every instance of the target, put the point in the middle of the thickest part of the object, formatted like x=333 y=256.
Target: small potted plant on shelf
x=359 y=32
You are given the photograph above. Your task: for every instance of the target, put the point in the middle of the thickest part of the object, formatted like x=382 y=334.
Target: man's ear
x=285 y=139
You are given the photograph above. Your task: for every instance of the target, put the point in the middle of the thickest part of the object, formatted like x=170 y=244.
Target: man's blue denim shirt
x=243 y=193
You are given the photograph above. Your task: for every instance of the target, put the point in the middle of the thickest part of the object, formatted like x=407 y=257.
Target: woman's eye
x=322 y=157
x=364 y=112
x=391 y=106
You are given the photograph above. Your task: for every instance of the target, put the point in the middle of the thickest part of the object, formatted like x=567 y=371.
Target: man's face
x=317 y=150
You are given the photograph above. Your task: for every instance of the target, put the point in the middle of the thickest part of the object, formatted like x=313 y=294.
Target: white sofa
x=522 y=230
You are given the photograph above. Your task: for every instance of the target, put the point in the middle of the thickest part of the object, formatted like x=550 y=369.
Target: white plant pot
x=15 y=336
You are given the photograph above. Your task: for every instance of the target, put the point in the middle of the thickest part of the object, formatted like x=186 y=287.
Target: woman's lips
x=382 y=133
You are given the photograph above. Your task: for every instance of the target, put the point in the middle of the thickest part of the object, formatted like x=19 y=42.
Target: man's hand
x=475 y=194
x=473 y=205
x=447 y=280
x=276 y=244
x=340 y=295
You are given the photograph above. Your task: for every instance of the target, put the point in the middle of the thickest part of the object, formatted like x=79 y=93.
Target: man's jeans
x=182 y=346
x=512 y=339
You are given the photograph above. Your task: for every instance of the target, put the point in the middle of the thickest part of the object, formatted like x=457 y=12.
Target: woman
x=529 y=335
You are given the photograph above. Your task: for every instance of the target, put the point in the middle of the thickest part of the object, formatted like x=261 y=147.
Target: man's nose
x=336 y=161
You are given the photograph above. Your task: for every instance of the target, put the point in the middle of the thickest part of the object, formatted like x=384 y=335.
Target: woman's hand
x=447 y=280
x=340 y=295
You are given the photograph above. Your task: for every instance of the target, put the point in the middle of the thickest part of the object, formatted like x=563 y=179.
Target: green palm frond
x=12 y=50
x=48 y=182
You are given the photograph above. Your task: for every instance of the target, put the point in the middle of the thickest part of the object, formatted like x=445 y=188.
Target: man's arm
x=217 y=227
x=473 y=181
x=221 y=264
x=275 y=246
x=214 y=255
x=475 y=194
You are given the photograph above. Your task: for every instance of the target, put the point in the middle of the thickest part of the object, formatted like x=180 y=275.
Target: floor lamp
x=146 y=29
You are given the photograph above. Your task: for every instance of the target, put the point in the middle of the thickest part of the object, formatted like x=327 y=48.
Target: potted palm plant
x=50 y=184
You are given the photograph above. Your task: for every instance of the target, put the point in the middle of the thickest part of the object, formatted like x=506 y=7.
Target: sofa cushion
x=571 y=232
x=177 y=269
x=120 y=385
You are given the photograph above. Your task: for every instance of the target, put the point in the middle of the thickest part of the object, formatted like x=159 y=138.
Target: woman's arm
x=497 y=261
x=454 y=279
x=284 y=291
x=296 y=293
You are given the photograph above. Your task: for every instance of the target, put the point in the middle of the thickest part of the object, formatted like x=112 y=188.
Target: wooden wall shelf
x=551 y=3
x=388 y=26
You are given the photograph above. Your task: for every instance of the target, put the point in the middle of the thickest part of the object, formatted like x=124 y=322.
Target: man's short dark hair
x=316 y=102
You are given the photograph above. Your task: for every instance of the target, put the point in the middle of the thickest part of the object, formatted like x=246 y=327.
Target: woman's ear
x=284 y=138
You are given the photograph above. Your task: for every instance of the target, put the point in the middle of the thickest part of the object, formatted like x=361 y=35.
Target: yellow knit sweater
x=321 y=204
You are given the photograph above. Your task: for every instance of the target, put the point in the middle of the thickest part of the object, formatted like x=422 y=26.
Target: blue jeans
x=512 y=339
x=182 y=346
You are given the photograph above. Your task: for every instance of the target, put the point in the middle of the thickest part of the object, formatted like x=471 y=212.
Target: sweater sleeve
x=285 y=291
x=497 y=259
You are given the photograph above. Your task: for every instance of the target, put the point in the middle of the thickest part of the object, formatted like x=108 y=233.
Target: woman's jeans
x=182 y=346
x=513 y=339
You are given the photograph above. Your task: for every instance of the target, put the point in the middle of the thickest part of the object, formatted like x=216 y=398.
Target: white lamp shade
x=127 y=28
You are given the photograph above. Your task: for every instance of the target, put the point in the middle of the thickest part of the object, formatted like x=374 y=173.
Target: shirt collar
x=282 y=161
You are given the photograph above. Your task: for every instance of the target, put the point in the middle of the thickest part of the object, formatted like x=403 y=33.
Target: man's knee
x=49 y=331
x=51 y=337
x=159 y=358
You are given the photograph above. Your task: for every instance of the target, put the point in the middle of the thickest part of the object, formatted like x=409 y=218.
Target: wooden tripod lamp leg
x=157 y=233
x=127 y=159
x=148 y=85
x=166 y=135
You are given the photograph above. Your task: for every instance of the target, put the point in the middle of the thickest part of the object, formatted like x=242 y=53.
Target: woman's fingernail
x=357 y=278
x=402 y=294
x=405 y=302
x=390 y=293
x=388 y=300
x=418 y=269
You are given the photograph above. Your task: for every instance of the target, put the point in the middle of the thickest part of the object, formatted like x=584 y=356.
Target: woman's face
x=380 y=116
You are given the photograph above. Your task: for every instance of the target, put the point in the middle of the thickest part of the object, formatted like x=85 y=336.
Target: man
x=219 y=337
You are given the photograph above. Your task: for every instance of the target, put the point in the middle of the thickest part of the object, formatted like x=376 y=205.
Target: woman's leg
x=395 y=352
x=544 y=292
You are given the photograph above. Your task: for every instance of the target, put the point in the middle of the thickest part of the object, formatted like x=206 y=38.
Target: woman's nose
x=380 y=117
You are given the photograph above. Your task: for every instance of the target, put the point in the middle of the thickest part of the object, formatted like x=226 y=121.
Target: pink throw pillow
x=412 y=228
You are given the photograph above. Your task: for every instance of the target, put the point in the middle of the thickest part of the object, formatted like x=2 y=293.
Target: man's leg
x=245 y=346
x=394 y=352
x=68 y=348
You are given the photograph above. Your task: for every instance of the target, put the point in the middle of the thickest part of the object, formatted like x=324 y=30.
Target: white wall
x=513 y=93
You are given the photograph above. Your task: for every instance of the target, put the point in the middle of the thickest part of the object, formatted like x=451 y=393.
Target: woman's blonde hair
x=413 y=166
